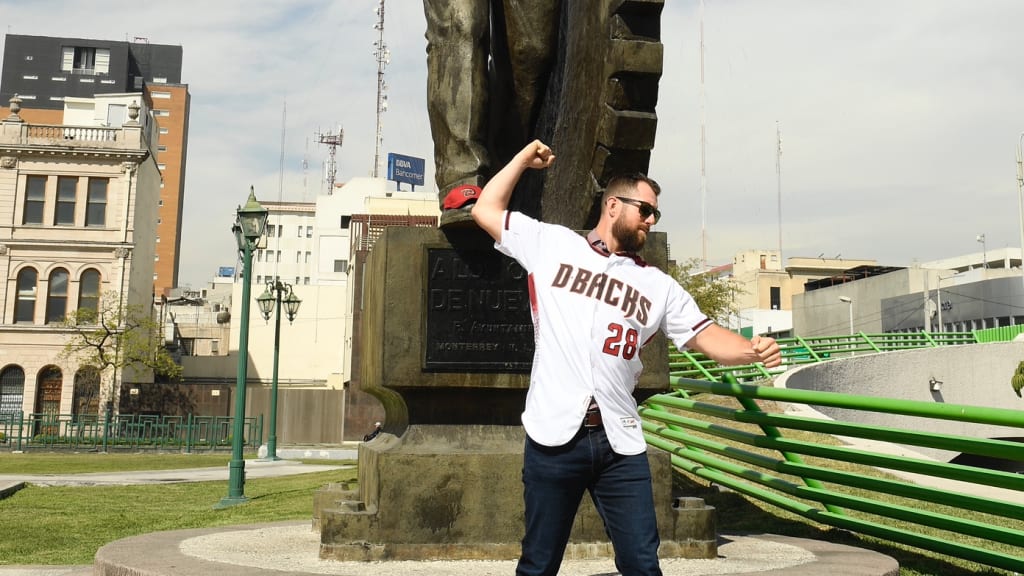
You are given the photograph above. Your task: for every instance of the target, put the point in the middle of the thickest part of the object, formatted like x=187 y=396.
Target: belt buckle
x=592 y=419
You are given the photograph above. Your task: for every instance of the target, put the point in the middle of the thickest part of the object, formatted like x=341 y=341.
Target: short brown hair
x=623 y=183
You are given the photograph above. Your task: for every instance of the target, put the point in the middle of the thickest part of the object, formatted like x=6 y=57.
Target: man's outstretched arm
x=731 y=349
x=494 y=198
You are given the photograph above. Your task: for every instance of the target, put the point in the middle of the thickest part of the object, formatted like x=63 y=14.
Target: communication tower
x=333 y=141
x=383 y=56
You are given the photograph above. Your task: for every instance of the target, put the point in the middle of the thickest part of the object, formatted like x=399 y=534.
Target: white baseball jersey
x=592 y=313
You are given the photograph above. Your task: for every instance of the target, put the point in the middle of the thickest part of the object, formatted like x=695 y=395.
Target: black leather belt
x=592 y=419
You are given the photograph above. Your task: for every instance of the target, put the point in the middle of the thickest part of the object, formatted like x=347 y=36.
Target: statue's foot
x=455 y=210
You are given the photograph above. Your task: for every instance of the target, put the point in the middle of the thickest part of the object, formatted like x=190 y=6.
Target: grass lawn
x=84 y=462
x=66 y=525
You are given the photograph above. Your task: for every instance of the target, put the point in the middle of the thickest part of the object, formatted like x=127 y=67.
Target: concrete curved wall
x=975 y=375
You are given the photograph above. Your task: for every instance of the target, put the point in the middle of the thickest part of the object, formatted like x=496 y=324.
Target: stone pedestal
x=443 y=481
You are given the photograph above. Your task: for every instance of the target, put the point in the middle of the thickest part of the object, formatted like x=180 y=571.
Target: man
x=595 y=303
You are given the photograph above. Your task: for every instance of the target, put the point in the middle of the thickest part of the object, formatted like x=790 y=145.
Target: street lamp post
x=270 y=301
x=849 y=301
x=984 y=253
x=250 y=220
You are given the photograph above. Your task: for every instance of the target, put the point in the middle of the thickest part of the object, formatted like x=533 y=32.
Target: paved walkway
x=291 y=548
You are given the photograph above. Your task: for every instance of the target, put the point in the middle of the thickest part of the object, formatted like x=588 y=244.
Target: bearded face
x=628 y=237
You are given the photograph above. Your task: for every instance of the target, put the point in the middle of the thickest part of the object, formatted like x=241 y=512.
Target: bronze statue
x=580 y=75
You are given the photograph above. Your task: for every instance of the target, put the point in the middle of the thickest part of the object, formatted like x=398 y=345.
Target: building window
x=278 y=255
x=307 y=257
x=305 y=280
x=270 y=230
x=158 y=112
x=300 y=232
x=96 y=203
x=259 y=279
x=12 y=389
x=164 y=95
x=345 y=221
x=309 y=231
x=164 y=131
x=298 y=257
x=296 y=280
x=259 y=255
x=161 y=148
x=89 y=291
x=35 y=197
x=30 y=77
x=214 y=346
x=86 y=400
x=776 y=297
x=85 y=60
x=341 y=265
x=57 y=296
x=64 y=215
x=25 y=305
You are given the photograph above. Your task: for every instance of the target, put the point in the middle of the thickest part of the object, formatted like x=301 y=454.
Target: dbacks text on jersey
x=611 y=291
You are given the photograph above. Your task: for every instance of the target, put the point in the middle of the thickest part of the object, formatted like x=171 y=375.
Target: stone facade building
x=78 y=213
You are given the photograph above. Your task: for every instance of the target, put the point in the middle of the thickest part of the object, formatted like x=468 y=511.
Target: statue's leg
x=457 y=92
x=531 y=27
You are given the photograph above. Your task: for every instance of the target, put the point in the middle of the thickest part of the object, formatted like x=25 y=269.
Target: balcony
x=126 y=137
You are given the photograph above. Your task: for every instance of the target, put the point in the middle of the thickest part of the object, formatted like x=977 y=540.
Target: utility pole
x=778 y=184
x=1020 y=200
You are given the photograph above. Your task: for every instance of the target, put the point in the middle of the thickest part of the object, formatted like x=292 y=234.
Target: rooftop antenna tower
x=333 y=141
x=383 y=56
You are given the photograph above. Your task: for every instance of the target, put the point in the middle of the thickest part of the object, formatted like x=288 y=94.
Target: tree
x=715 y=296
x=116 y=338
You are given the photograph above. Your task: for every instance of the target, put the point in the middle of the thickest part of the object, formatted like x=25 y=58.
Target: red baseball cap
x=460 y=196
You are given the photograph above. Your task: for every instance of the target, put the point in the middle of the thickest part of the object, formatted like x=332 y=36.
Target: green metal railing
x=808 y=350
x=133 y=432
x=983 y=529
x=1001 y=334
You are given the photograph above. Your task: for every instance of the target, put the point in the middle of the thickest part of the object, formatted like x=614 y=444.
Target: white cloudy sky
x=899 y=118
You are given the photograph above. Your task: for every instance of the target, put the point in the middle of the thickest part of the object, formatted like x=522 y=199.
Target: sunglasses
x=645 y=209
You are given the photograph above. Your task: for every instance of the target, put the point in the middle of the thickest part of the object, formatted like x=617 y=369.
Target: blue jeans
x=554 y=480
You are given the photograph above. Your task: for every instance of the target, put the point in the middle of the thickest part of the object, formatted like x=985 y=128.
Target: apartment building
x=326 y=242
x=78 y=212
x=52 y=74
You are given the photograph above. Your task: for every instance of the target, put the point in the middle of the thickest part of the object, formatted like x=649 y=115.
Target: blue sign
x=406 y=169
x=226 y=271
